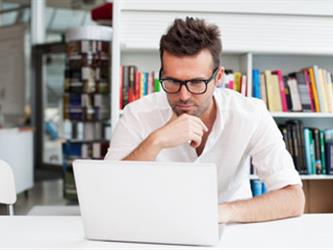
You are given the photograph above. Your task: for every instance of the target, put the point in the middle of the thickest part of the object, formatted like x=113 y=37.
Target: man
x=193 y=121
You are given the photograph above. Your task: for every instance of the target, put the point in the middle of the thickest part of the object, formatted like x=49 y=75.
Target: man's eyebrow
x=175 y=79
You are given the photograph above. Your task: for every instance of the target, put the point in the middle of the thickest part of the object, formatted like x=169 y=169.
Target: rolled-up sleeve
x=127 y=135
x=270 y=158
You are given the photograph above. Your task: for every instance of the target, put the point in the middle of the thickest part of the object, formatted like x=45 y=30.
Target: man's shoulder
x=234 y=101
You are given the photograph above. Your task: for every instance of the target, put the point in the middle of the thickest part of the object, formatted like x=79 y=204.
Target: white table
x=64 y=232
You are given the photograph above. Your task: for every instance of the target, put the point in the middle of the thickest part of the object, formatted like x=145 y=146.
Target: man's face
x=199 y=66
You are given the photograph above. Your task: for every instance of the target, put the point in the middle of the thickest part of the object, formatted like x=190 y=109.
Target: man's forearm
x=146 y=151
x=278 y=204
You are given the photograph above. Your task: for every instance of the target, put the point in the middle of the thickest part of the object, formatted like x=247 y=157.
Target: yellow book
x=323 y=90
x=273 y=92
x=237 y=81
x=328 y=90
x=263 y=89
x=314 y=90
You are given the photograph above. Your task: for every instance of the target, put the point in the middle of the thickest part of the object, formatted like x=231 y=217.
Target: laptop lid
x=154 y=202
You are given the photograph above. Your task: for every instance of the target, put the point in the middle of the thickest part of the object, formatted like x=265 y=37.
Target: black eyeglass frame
x=206 y=81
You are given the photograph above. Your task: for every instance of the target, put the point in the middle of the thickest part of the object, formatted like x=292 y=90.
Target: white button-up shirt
x=243 y=128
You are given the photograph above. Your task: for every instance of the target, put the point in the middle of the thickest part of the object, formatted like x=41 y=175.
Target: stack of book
x=258 y=187
x=86 y=99
x=234 y=80
x=310 y=148
x=308 y=90
x=134 y=84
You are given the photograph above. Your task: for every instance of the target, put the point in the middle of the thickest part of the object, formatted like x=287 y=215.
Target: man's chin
x=179 y=112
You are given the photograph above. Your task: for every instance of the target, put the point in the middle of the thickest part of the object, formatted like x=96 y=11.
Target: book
x=308 y=85
x=322 y=151
x=308 y=155
x=314 y=90
x=256 y=187
x=320 y=91
x=237 y=81
x=244 y=85
x=288 y=94
x=318 y=163
x=282 y=90
x=263 y=89
x=303 y=92
x=273 y=92
x=294 y=92
x=329 y=158
x=256 y=83
x=328 y=89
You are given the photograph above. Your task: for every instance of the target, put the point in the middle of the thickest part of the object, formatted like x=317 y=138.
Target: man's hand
x=179 y=130
x=278 y=204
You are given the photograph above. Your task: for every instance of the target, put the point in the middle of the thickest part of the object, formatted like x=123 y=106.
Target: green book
x=312 y=154
x=157 y=85
x=322 y=152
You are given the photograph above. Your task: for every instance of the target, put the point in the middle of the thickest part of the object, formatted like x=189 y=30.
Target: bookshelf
x=86 y=98
x=294 y=37
x=304 y=177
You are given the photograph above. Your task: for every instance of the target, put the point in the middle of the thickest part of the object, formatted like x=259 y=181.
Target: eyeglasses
x=194 y=86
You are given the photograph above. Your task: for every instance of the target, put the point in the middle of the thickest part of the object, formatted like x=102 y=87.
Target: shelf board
x=301 y=115
x=303 y=177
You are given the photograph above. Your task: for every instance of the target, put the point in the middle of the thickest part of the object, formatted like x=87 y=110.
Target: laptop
x=151 y=202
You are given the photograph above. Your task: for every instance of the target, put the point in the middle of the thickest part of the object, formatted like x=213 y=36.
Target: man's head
x=190 y=50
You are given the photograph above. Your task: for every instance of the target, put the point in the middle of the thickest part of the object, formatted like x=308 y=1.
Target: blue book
x=263 y=188
x=145 y=83
x=256 y=83
x=307 y=145
x=256 y=187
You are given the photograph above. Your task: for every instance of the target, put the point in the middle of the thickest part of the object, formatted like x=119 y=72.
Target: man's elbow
x=299 y=200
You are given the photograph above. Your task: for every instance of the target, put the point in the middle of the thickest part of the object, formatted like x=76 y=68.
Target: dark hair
x=188 y=37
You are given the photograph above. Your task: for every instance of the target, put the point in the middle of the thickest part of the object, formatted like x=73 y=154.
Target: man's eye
x=198 y=81
x=171 y=81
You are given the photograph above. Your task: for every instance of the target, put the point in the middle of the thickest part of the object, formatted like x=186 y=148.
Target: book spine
x=256 y=83
x=318 y=88
x=329 y=158
x=322 y=151
x=288 y=94
x=318 y=163
x=307 y=134
x=282 y=90
x=256 y=187
x=312 y=153
x=300 y=133
x=303 y=90
x=308 y=85
x=314 y=90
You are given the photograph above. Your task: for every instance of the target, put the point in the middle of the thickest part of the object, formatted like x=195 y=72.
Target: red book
x=137 y=85
x=282 y=90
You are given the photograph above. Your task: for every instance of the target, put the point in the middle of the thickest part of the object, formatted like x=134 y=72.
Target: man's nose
x=184 y=94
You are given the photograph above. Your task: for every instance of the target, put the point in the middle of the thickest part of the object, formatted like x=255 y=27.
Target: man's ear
x=219 y=77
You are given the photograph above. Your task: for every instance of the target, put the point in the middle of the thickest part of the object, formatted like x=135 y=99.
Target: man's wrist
x=226 y=212
x=155 y=141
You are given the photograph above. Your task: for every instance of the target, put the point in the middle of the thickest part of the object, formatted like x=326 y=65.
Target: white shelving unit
x=303 y=177
x=287 y=35
x=301 y=115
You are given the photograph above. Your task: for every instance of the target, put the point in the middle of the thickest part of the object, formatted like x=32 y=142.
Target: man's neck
x=210 y=115
x=208 y=118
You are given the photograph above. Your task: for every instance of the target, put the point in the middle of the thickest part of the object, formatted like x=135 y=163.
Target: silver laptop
x=171 y=203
